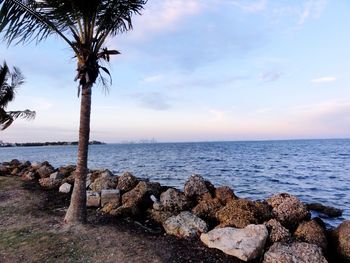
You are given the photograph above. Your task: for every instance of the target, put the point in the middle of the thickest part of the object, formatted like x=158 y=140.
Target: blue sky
x=201 y=70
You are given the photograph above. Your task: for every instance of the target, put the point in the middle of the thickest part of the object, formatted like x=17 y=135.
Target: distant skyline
x=200 y=70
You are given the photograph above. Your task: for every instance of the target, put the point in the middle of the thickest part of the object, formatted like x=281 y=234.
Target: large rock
x=45 y=170
x=93 y=199
x=325 y=210
x=126 y=182
x=36 y=165
x=173 y=200
x=225 y=194
x=57 y=176
x=246 y=244
x=110 y=196
x=105 y=181
x=49 y=183
x=4 y=170
x=207 y=207
x=28 y=176
x=288 y=209
x=195 y=186
x=185 y=225
x=242 y=212
x=65 y=188
x=66 y=170
x=311 y=232
x=159 y=216
x=277 y=232
x=297 y=252
x=341 y=239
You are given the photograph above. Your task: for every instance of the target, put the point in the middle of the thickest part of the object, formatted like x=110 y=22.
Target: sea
x=314 y=170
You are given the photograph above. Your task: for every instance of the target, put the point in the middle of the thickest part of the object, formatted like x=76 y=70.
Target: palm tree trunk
x=76 y=212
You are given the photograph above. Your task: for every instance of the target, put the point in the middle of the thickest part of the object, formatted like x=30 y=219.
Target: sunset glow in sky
x=201 y=70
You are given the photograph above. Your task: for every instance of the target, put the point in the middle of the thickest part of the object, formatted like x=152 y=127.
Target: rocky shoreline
x=278 y=229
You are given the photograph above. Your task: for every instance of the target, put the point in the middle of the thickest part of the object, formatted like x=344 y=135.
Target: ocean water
x=313 y=170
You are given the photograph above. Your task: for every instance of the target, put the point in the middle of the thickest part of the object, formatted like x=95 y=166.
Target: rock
x=225 y=194
x=341 y=240
x=110 y=196
x=49 y=183
x=195 y=186
x=65 y=188
x=15 y=171
x=325 y=210
x=185 y=225
x=28 y=176
x=140 y=195
x=297 y=252
x=109 y=207
x=311 y=232
x=277 y=232
x=93 y=199
x=66 y=170
x=56 y=175
x=44 y=171
x=158 y=215
x=105 y=181
x=242 y=212
x=288 y=209
x=207 y=208
x=15 y=163
x=4 y=170
x=36 y=165
x=126 y=182
x=173 y=200
x=246 y=244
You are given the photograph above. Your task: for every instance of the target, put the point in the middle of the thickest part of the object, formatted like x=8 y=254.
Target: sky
x=200 y=70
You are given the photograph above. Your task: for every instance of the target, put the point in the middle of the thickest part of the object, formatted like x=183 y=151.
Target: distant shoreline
x=31 y=144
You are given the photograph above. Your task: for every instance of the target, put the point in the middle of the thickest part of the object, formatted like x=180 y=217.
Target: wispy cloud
x=270 y=76
x=153 y=100
x=152 y=78
x=250 y=6
x=324 y=80
x=311 y=9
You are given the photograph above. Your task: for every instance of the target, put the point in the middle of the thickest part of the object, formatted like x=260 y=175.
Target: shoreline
x=126 y=196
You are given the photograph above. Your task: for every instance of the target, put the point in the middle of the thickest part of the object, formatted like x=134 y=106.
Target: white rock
x=246 y=243
x=93 y=199
x=185 y=224
x=110 y=196
x=56 y=175
x=65 y=188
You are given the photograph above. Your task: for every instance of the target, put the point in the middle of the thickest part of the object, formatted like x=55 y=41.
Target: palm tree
x=9 y=82
x=84 y=25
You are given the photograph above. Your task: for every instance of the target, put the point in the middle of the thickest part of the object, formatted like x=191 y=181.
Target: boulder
x=56 y=175
x=158 y=215
x=325 y=210
x=173 y=200
x=195 y=187
x=15 y=163
x=242 y=212
x=49 y=183
x=277 y=232
x=246 y=244
x=45 y=170
x=140 y=195
x=225 y=194
x=93 y=199
x=4 y=170
x=288 y=209
x=126 y=182
x=65 y=188
x=110 y=196
x=15 y=171
x=297 y=252
x=28 y=176
x=311 y=232
x=36 y=165
x=105 y=181
x=341 y=240
x=207 y=207
x=66 y=170
x=185 y=224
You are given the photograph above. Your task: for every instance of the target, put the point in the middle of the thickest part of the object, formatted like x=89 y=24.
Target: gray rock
x=185 y=225
x=65 y=188
x=45 y=171
x=195 y=186
x=93 y=199
x=297 y=252
x=311 y=232
x=277 y=232
x=173 y=200
x=105 y=181
x=56 y=175
x=49 y=183
x=110 y=196
x=246 y=244
x=126 y=182
x=288 y=209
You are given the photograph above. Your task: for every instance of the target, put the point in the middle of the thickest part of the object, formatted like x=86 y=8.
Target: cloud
x=312 y=9
x=153 y=100
x=152 y=78
x=324 y=80
x=270 y=76
x=250 y=6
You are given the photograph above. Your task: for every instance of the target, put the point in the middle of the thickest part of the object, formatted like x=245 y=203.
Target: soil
x=32 y=230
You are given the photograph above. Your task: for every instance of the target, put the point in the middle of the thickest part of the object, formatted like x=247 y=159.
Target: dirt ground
x=31 y=230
